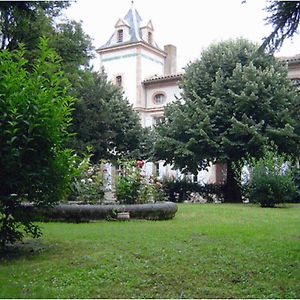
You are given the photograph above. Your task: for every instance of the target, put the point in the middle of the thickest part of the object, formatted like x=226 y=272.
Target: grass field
x=206 y=251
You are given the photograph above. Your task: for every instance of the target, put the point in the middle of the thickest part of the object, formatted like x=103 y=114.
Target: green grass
x=206 y=251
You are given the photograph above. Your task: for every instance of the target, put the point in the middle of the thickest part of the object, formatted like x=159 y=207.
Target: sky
x=190 y=25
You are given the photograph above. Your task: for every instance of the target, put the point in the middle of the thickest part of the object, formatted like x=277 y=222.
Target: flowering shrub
x=132 y=186
x=128 y=182
x=87 y=187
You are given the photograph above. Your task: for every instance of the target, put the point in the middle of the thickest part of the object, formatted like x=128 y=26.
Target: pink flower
x=140 y=163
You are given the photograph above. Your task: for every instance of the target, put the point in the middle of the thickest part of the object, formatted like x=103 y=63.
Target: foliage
x=284 y=16
x=130 y=188
x=233 y=103
x=180 y=190
x=72 y=44
x=18 y=21
x=87 y=185
x=104 y=120
x=271 y=180
x=89 y=188
x=27 y=21
x=35 y=114
x=296 y=178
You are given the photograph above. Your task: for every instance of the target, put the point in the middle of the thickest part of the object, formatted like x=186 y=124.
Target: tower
x=131 y=55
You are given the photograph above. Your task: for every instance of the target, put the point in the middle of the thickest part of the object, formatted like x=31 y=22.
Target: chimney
x=170 y=66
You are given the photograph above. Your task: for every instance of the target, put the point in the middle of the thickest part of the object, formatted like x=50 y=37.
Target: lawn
x=206 y=251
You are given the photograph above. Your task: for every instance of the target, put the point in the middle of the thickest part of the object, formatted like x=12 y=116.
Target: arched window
x=159 y=98
x=119 y=80
x=149 y=37
x=120 y=36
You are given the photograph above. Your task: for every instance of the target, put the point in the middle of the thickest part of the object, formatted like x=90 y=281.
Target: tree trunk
x=232 y=190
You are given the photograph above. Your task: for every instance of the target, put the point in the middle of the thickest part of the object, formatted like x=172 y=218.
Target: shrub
x=271 y=180
x=212 y=192
x=35 y=113
x=296 y=177
x=129 y=186
x=87 y=186
x=179 y=190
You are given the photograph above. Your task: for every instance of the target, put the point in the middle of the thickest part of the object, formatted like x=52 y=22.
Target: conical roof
x=134 y=20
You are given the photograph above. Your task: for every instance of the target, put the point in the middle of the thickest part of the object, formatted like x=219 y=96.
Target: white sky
x=190 y=25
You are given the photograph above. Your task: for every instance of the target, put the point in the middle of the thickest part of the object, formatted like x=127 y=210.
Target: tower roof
x=134 y=21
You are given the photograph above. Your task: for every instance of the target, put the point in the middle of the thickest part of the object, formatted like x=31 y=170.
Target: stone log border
x=84 y=213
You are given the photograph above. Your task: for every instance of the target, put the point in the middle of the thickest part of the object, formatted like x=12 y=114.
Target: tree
x=285 y=18
x=18 y=21
x=72 y=44
x=233 y=103
x=35 y=113
x=104 y=120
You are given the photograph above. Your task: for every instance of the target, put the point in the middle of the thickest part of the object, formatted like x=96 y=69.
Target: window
x=149 y=37
x=120 y=36
x=159 y=98
x=119 y=80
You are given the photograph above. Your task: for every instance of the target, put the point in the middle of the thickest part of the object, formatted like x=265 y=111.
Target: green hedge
x=179 y=190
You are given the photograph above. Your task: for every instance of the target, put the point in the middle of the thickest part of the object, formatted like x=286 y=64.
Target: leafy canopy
x=233 y=103
x=104 y=120
x=18 y=21
x=35 y=113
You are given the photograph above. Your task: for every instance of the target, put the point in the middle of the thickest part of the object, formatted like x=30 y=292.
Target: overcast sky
x=190 y=25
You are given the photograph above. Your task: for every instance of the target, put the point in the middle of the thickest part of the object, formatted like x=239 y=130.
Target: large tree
x=104 y=119
x=233 y=103
x=18 y=21
x=284 y=16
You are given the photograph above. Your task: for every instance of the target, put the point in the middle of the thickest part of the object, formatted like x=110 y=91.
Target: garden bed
x=83 y=213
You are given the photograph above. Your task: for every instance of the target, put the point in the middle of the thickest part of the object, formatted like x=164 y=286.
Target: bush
x=129 y=183
x=296 y=177
x=132 y=186
x=87 y=187
x=271 y=180
x=212 y=192
x=179 y=190
x=35 y=113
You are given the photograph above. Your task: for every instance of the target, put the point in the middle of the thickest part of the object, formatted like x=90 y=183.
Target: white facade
x=122 y=63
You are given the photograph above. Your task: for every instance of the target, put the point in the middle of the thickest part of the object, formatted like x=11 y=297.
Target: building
x=293 y=63
x=146 y=73
x=133 y=60
x=149 y=78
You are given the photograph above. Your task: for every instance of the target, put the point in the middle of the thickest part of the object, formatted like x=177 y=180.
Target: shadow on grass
x=286 y=205
x=21 y=250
